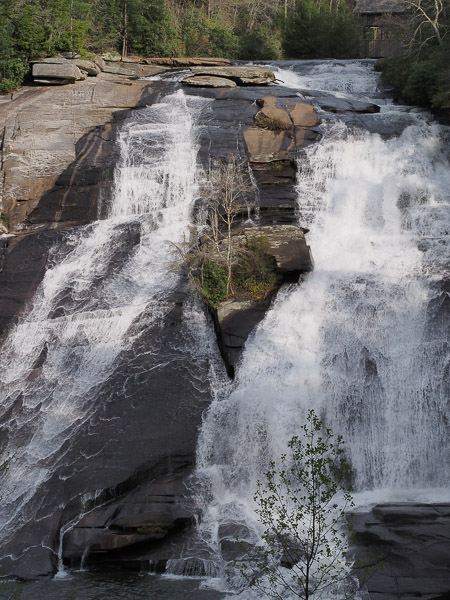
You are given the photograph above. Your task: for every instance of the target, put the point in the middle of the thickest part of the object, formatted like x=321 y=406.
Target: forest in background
x=236 y=29
x=421 y=68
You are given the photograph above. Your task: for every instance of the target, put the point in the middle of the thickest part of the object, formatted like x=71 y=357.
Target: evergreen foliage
x=322 y=30
x=246 y=29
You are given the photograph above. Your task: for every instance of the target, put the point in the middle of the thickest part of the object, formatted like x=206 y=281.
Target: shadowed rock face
x=407 y=544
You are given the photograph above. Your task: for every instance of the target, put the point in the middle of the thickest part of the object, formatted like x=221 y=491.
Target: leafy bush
x=214 y=289
x=12 y=73
x=261 y=43
x=302 y=504
x=254 y=274
x=207 y=37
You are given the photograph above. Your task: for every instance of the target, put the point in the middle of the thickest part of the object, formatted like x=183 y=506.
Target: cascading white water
x=86 y=309
x=339 y=77
x=350 y=341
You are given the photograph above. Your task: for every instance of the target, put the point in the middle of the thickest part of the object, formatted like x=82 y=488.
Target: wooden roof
x=366 y=7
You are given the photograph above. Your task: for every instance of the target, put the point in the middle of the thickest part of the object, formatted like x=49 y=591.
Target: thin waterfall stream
x=104 y=286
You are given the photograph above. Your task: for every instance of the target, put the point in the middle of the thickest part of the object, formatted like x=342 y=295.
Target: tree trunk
x=125 y=29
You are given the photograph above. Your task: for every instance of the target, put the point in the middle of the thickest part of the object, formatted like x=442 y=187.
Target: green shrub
x=261 y=43
x=214 y=288
x=255 y=272
x=12 y=73
x=207 y=37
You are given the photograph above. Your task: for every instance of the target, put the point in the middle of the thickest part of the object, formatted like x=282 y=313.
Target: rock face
x=53 y=174
x=133 y=460
x=413 y=539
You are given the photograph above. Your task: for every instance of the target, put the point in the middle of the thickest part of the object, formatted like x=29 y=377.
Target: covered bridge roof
x=366 y=7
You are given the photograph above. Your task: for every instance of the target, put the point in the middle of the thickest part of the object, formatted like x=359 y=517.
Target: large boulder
x=270 y=116
x=241 y=75
x=206 y=81
x=264 y=146
x=65 y=70
x=88 y=66
x=407 y=546
x=283 y=126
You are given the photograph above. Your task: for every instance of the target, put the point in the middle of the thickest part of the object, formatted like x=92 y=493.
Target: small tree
x=230 y=184
x=302 y=506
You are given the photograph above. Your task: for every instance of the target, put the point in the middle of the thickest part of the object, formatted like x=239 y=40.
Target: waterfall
x=105 y=283
x=353 y=339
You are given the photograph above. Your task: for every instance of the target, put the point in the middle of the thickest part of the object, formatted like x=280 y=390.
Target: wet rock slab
x=408 y=544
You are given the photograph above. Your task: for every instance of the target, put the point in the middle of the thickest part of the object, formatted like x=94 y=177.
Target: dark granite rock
x=339 y=105
x=407 y=544
x=22 y=267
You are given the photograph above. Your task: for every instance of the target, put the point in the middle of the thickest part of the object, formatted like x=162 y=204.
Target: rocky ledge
x=236 y=318
x=406 y=547
x=238 y=75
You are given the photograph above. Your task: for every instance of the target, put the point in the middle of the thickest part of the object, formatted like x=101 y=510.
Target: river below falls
x=111 y=586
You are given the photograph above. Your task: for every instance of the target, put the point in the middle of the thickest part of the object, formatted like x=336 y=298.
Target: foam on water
x=106 y=282
x=354 y=340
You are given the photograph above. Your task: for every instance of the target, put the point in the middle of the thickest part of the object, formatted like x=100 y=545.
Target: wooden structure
x=382 y=20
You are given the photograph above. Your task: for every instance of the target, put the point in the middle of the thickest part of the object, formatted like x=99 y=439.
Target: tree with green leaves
x=302 y=507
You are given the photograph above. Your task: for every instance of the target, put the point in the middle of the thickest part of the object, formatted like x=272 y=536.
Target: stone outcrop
x=236 y=318
x=283 y=126
x=132 y=69
x=91 y=68
x=407 y=546
x=240 y=75
x=59 y=70
x=206 y=81
x=63 y=71
x=187 y=62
